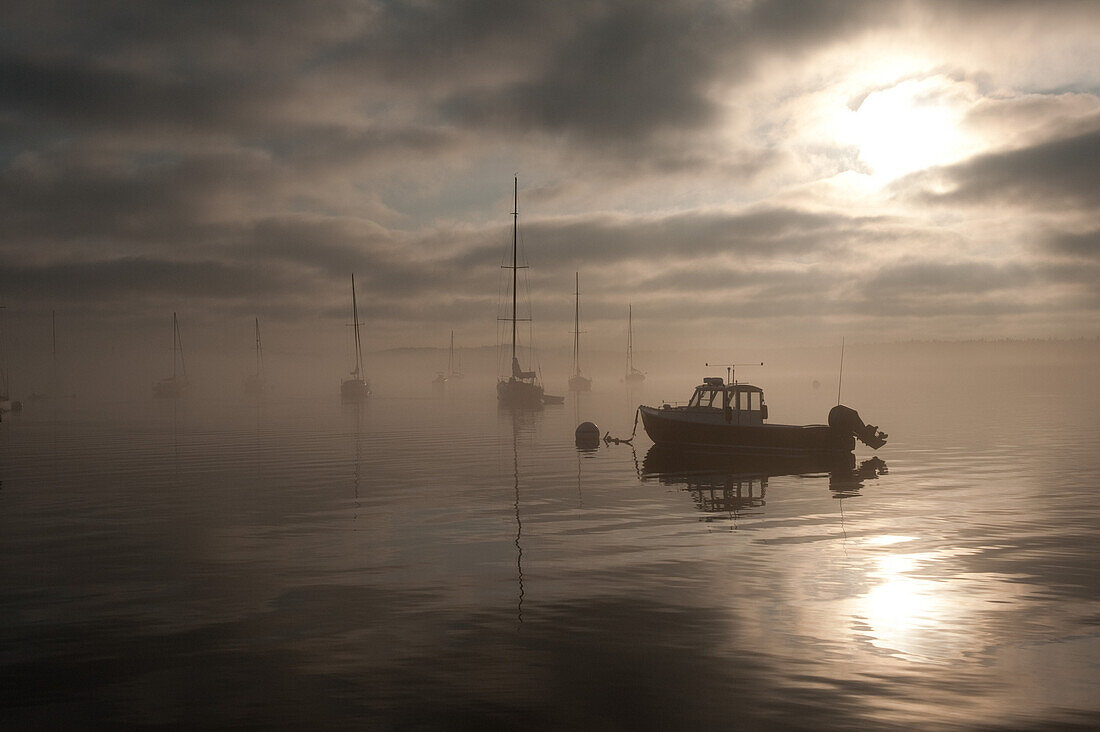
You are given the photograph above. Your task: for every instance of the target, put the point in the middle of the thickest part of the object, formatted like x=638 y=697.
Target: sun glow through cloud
x=907 y=127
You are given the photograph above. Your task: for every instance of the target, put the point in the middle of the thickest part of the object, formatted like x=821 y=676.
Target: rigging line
x=840 y=377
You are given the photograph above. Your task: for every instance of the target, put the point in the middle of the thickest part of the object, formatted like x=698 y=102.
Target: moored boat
x=256 y=384
x=522 y=388
x=733 y=415
x=633 y=375
x=578 y=382
x=174 y=386
x=356 y=388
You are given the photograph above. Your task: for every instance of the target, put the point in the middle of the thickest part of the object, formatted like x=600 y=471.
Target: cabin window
x=747 y=400
x=710 y=399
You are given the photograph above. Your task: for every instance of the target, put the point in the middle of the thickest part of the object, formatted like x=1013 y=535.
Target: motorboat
x=735 y=415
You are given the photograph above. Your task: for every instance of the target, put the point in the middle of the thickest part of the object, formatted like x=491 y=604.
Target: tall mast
x=577 y=327
x=355 y=322
x=630 y=338
x=451 y=356
x=53 y=337
x=175 y=339
x=178 y=341
x=259 y=350
x=515 y=230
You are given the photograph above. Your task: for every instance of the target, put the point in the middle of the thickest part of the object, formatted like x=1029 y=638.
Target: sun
x=910 y=126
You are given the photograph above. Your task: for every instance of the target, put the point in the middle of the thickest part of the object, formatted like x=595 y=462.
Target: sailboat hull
x=354 y=390
x=580 y=383
x=515 y=393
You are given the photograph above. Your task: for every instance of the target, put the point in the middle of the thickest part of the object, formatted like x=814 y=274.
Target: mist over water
x=428 y=559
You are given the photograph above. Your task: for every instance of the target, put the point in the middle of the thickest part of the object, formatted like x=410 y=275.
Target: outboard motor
x=847 y=420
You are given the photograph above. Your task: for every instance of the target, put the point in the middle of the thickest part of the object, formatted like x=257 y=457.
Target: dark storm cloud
x=763 y=233
x=631 y=71
x=928 y=289
x=142 y=200
x=926 y=277
x=104 y=282
x=1085 y=245
x=76 y=93
x=1061 y=173
x=231 y=150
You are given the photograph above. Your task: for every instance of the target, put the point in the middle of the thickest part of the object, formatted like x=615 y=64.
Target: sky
x=768 y=172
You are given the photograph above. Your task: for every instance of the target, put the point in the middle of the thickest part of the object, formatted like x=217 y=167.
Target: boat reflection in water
x=731 y=482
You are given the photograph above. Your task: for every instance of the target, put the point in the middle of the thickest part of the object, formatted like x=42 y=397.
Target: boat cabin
x=741 y=404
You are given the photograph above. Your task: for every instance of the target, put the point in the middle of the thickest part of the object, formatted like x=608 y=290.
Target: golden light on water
x=901 y=611
x=903 y=614
x=919 y=609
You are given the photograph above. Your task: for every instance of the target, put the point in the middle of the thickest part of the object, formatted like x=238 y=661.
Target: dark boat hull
x=580 y=383
x=687 y=429
x=517 y=393
x=354 y=390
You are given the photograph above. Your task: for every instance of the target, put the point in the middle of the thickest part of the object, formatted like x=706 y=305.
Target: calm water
x=442 y=563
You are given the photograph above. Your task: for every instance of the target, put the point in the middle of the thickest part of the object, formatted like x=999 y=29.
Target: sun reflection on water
x=913 y=617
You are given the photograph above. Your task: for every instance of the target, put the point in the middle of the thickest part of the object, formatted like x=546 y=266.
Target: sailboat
x=576 y=381
x=39 y=396
x=442 y=377
x=521 y=389
x=452 y=372
x=172 y=387
x=633 y=375
x=356 y=388
x=255 y=384
x=7 y=404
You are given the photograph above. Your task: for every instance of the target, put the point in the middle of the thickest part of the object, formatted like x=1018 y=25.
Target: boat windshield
x=706 y=398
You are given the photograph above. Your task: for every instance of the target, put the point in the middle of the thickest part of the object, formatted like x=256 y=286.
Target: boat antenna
x=731 y=369
x=840 y=378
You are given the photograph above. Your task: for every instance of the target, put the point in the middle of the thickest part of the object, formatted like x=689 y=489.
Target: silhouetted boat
x=576 y=381
x=521 y=388
x=255 y=384
x=734 y=415
x=453 y=373
x=356 y=388
x=442 y=377
x=633 y=375
x=37 y=396
x=173 y=387
x=7 y=404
